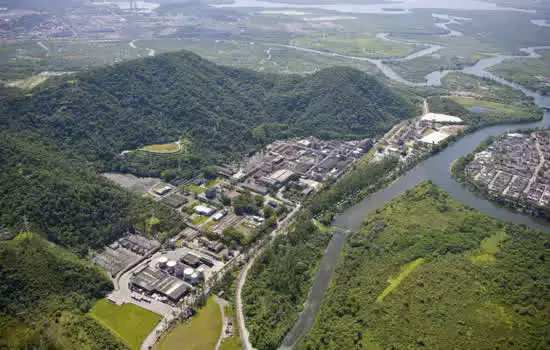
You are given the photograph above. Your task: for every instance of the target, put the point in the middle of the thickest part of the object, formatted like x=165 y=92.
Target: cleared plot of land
x=162 y=148
x=395 y=281
x=488 y=249
x=362 y=45
x=128 y=322
x=201 y=332
x=167 y=148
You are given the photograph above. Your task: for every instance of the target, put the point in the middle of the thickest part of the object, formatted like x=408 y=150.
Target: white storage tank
x=195 y=278
x=171 y=264
x=162 y=262
x=187 y=273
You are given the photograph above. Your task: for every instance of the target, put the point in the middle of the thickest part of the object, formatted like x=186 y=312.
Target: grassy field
x=321 y=227
x=355 y=45
x=505 y=110
x=172 y=147
x=128 y=322
x=167 y=148
x=459 y=280
x=199 y=219
x=533 y=73
x=194 y=188
x=394 y=282
x=201 y=332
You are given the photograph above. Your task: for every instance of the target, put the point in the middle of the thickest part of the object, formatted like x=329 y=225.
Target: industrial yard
x=225 y=212
x=412 y=139
x=515 y=170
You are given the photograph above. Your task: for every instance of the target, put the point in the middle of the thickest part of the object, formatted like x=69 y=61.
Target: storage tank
x=195 y=278
x=200 y=271
x=162 y=262
x=171 y=265
x=187 y=273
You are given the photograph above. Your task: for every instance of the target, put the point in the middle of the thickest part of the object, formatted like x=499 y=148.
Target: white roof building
x=434 y=138
x=440 y=118
x=204 y=210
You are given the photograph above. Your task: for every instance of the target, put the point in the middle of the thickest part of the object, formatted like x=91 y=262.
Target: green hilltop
x=223 y=111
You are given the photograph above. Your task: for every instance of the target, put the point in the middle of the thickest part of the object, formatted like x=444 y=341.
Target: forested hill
x=221 y=110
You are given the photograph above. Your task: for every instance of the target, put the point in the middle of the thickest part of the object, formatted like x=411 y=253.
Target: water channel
x=436 y=169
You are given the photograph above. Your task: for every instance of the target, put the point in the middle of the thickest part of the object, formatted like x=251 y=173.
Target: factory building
x=204 y=210
x=156 y=281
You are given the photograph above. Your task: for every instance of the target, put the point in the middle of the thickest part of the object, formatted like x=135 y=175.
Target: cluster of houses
x=515 y=168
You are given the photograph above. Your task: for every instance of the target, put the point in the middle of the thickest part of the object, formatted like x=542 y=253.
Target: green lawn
x=162 y=148
x=201 y=332
x=129 y=322
x=199 y=219
x=321 y=227
x=505 y=109
x=194 y=188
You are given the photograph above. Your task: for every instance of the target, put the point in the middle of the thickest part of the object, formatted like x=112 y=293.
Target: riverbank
x=436 y=168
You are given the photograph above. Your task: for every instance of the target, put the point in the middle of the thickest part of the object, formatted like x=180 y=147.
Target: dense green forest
x=44 y=294
x=280 y=280
x=61 y=197
x=427 y=272
x=223 y=111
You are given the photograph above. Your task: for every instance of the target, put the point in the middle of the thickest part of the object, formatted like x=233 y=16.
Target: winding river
x=436 y=169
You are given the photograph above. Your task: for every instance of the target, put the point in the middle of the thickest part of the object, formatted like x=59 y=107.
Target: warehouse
x=430 y=118
x=154 y=281
x=434 y=138
x=204 y=210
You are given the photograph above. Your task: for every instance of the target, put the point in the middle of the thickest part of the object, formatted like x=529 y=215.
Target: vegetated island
x=427 y=272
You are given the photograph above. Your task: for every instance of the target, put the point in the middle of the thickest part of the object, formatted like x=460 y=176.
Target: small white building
x=219 y=215
x=440 y=118
x=204 y=210
x=162 y=190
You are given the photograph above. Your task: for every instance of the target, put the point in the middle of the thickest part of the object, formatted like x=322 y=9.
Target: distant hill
x=44 y=294
x=61 y=197
x=223 y=111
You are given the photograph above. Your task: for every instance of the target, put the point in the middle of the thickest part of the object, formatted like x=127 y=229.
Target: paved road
x=244 y=272
x=222 y=304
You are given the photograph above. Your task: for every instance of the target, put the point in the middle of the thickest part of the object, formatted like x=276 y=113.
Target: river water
x=390 y=7
x=436 y=169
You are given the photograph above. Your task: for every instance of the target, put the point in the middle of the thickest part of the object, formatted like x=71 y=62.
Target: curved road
x=282 y=226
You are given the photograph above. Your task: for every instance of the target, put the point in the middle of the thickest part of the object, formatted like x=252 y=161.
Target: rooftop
x=434 y=138
x=441 y=118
